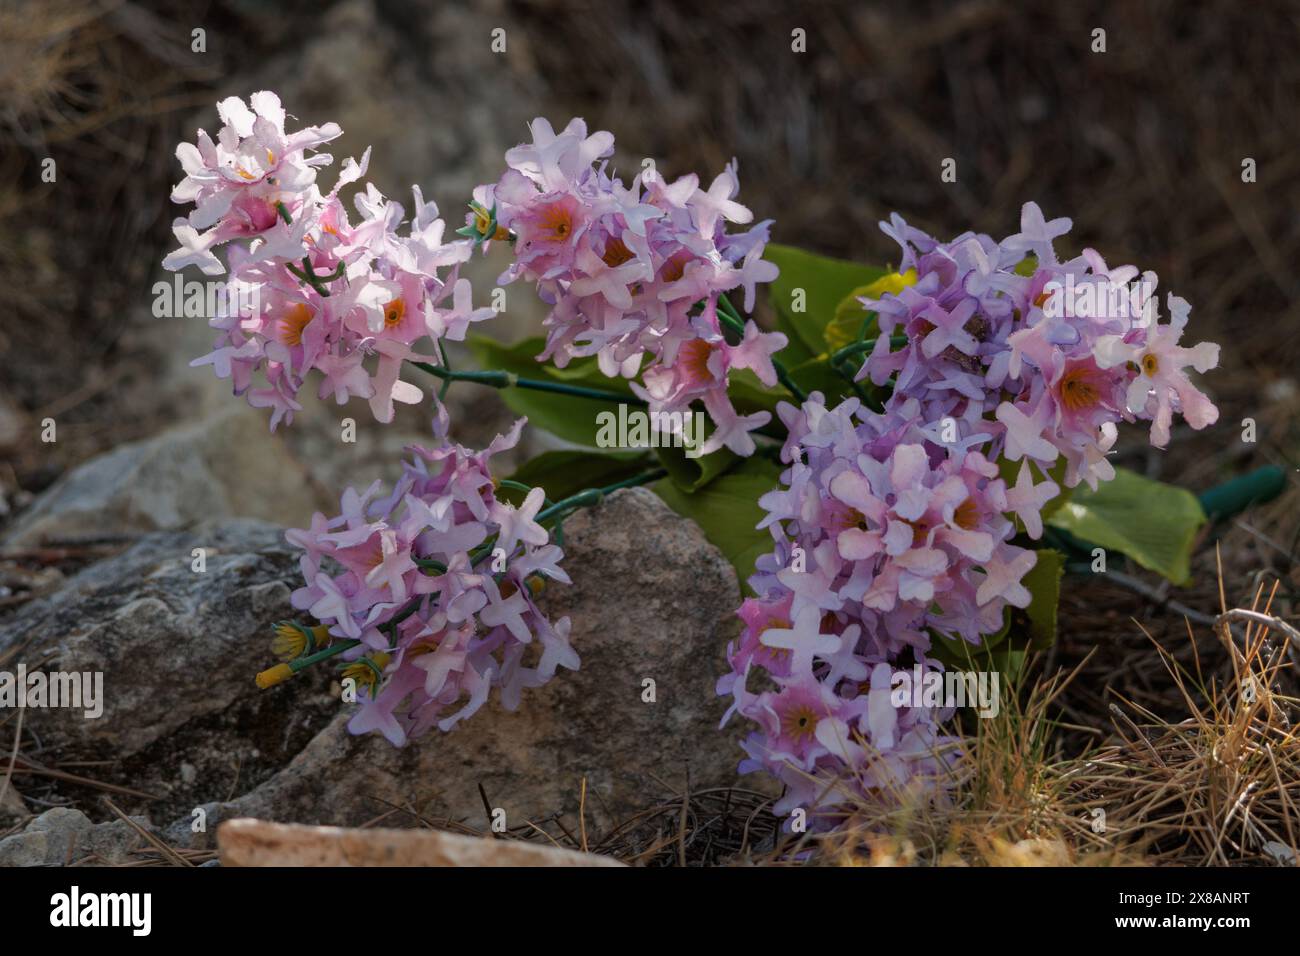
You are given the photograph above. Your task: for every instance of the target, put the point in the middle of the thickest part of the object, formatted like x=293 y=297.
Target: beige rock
x=248 y=842
x=226 y=466
x=651 y=599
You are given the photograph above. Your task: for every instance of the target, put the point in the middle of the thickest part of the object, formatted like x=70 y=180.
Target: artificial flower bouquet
x=900 y=467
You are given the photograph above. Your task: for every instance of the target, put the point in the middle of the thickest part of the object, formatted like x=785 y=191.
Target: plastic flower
x=634 y=273
x=350 y=302
x=1038 y=362
x=436 y=581
x=1160 y=382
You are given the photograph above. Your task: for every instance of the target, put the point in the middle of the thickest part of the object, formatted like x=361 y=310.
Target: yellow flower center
x=1150 y=364
x=799 y=723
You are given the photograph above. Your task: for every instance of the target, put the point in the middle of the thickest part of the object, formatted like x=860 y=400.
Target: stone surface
x=258 y=843
x=226 y=465
x=63 y=835
x=184 y=722
x=178 y=650
x=652 y=599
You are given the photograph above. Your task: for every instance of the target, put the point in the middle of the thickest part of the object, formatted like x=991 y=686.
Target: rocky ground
x=186 y=736
x=99 y=565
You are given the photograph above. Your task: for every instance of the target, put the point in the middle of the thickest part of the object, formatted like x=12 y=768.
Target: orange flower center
x=1150 y=364
x=800 y=723
x=675 y=267
x=694 y=356
x=557 y=221
x=616 y=253
x=920 y=530
x=394 y=312
x=293 y=322
x=967 y=515
x=1078 y=389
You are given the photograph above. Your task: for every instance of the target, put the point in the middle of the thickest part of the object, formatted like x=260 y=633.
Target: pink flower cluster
x=881 y=539
x=1034 y=365
x=436 y=581
x=328 y=294
x=633 y=274
x=893 y=528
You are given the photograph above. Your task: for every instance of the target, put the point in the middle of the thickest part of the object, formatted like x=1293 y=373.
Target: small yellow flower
x=293 y=640
x=367 y=671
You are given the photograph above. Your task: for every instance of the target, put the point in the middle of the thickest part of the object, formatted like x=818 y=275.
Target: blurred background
x=1142 y=145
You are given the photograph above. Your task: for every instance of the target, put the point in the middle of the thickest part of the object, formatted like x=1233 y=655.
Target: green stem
x=501 y=379
x=864 y=346
x=731 y=318
x=593 y=496
x=338 y=647
x=308 y=274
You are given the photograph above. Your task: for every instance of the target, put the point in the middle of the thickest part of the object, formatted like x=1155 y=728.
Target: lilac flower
x=625 y=268
x=437 y=580
x=373 y=295
x=1041 y=365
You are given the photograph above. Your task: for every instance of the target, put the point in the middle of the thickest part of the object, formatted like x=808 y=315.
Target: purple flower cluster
x=436 y=581
x=895 y=527
x=1033 y=362
x=625 y=268
x=315 y=291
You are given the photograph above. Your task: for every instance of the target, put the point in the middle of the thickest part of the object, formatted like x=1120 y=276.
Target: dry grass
x=1218 y=785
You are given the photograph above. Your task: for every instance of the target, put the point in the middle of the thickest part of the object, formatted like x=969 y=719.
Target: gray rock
x=178 y=650
x=65 y=835
x=651 y=599
x=228 y=465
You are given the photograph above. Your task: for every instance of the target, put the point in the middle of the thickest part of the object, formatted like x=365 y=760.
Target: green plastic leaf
x=570 y=417
x=692 y=474
x=1044 y=584
x=727 y=511
x=1153 y=523
x=563 y=473
x=824 y=281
